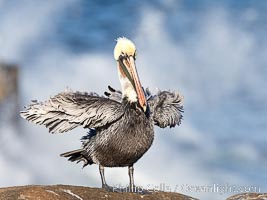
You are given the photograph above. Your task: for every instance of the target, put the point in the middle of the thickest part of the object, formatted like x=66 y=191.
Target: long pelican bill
x=128 y=67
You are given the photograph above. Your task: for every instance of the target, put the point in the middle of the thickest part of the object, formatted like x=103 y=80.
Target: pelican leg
x=132 y=187
x=104 y=183
x=130 y=172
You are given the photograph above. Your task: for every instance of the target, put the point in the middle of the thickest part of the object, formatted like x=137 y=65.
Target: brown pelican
x=121 y=125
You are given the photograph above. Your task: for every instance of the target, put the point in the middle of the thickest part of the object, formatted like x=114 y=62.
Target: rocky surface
x=66 y=192
x=249 y=196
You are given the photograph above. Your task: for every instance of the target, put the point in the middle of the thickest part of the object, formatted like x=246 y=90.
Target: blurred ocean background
x=213 y=52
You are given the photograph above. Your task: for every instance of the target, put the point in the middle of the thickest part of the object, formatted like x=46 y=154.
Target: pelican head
x=125 y=55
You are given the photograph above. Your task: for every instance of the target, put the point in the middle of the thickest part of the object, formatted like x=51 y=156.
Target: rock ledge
x=67 y=192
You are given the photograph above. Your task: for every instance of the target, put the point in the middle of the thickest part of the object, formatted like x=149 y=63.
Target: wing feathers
x=113 y=94
x=166 y=108
x=68 y=110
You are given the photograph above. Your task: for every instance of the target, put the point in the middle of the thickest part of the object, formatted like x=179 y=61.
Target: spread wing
x=68 y=110
x=166 y=108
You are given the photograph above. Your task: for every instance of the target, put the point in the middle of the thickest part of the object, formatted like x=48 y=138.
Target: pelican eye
x=125 y=55
x=122 y=56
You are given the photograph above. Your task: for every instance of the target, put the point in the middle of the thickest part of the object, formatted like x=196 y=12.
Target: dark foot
x=144 y=191
x=108 y=188
x=137 y=190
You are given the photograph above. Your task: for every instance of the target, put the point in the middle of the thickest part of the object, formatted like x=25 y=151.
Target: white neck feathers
x=128 y=89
